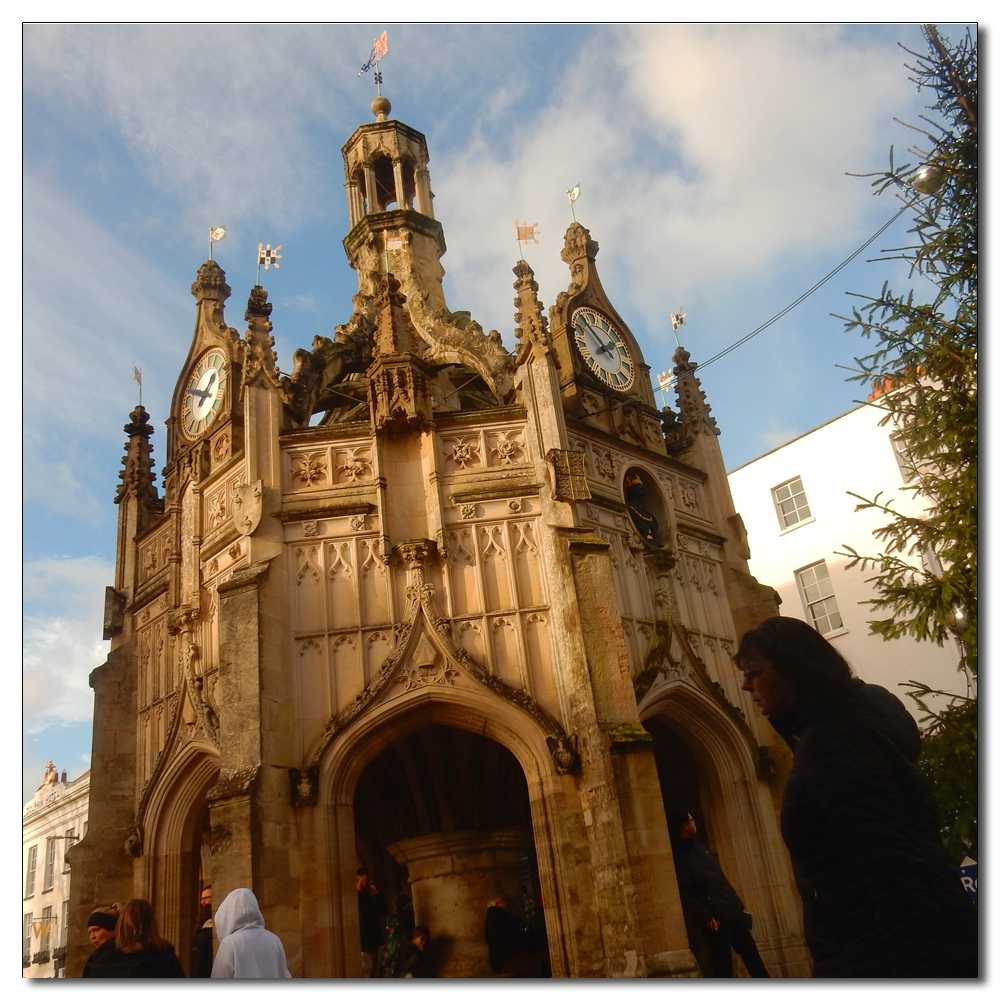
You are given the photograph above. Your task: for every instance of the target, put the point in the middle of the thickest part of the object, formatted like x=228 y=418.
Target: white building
x=798 y=514
x=54 y=818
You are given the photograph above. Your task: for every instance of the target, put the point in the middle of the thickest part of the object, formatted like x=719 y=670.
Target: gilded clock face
x=603 y=348
x=205 y=393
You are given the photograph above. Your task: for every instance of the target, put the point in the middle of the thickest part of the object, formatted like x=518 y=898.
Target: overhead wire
x=822 y=281
x=760 y=329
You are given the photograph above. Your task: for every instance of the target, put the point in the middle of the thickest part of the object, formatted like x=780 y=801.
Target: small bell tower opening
x=385 y=185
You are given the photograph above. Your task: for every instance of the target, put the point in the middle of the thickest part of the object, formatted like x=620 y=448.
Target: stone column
x=453 y=877
x=423 y=185
x=371 y=191
x=397 y=177
x=352 y=203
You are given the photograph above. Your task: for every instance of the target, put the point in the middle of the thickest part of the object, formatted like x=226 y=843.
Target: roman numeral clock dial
x=601 y=346
x=205 y=393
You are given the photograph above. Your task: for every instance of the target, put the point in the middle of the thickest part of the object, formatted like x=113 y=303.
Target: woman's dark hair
x=797 y=651
x=137 y=928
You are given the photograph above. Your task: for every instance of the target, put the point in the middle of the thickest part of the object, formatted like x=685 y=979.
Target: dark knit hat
x=106 y=920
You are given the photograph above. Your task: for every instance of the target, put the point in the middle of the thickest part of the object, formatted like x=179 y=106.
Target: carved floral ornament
x=310 y=469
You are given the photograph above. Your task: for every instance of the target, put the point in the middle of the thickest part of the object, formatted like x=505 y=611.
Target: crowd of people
x=880 y=898
x=127 y=943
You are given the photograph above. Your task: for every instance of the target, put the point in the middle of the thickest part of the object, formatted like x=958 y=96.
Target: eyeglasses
x=752 y=674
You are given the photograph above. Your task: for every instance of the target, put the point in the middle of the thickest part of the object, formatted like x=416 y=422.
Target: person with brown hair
x=140 y=952
x=880 y=897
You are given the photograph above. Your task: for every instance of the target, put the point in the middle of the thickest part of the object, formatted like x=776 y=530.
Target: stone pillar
x=371 y=191
x=353 y=196
x=397 y=177
x=423 y=186
x=453 y=877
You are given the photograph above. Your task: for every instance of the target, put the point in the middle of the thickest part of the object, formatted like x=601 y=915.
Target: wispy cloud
x=62 y=638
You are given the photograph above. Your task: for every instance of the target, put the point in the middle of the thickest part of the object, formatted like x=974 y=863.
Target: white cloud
x=707 y=155
x=62 y=638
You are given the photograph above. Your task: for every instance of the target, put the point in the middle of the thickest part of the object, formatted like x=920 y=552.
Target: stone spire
x=259 y=356
x=137 y=477
x=532 y=325
x=695 y=412
x=579 y=252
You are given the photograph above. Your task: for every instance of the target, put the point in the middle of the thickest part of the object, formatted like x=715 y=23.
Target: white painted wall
x=850 y=453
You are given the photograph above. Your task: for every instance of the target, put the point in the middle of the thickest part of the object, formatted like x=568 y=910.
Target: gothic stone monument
x=459 y=615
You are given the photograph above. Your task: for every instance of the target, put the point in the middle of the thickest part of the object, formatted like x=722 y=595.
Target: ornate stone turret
x=259 y=355
x=400 y=383
x=137 y=477
x=532 y=325
x=695 y=411
x=389 y=203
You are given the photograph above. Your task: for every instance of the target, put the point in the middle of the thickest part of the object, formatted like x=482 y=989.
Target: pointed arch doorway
x=442 y=816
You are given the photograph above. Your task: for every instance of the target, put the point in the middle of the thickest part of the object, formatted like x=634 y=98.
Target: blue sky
x=713 y=164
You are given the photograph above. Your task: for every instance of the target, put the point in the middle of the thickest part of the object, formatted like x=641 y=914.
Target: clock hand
x=202 y=393
x=211 y=382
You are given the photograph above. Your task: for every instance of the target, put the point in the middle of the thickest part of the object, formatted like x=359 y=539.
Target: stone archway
x=333 y=847
x=443 y=815
x=706 y=766
x=168 y=870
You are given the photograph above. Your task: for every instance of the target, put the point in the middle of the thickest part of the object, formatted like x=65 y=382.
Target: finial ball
x=381 y=108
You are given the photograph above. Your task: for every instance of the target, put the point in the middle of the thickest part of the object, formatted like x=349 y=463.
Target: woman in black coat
x=880 y=898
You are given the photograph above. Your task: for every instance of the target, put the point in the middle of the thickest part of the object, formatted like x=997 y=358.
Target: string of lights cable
x=819 y=284
x=774 y=319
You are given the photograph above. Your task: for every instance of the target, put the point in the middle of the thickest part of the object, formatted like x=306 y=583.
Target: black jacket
x=705 y=891
x=880 y=898
x=149 y=963
x=371 y=917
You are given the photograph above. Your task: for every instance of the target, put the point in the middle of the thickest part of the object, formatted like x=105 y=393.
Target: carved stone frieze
x=425 y=654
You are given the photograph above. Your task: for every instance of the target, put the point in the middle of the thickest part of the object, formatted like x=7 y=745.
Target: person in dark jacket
x=880 y=897
x=101 y=929
x=417 y=964
x=201 y=945
x=507 y=941
x=710 y=901
x=371 y=913
x=140 y=952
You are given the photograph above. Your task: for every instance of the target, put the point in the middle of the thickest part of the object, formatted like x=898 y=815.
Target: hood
x=239 y=910
x=869 y=703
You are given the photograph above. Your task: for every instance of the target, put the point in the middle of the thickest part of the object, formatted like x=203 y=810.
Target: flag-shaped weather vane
x=676 y=322
x=573 y=193
x=215 y=233
x=524 y=234
x=137 y=375
x=267 y=257
x=379 y=48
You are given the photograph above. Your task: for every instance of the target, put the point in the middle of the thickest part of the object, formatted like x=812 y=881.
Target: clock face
x=205 y=392
x=603 y=348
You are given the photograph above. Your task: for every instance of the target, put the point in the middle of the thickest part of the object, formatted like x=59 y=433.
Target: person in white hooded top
x=246 y=949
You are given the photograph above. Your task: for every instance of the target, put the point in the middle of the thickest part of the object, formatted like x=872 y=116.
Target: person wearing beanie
x=101 y=928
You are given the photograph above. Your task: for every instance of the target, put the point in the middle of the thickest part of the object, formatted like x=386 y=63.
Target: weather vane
x=676 y=322
x=524 y=234
x=215 y=233
x=267 y=257
x=137 y=375
x=379 y=48
x=573 y=193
